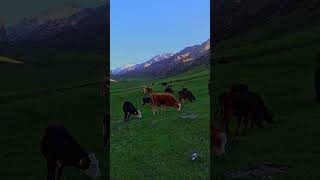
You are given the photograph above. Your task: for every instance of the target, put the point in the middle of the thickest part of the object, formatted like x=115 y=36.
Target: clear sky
x=12 y=11
x=141 y=29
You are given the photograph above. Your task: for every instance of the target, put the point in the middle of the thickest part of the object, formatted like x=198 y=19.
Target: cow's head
x=178 y=106
x=138 y=114
x=92 y=170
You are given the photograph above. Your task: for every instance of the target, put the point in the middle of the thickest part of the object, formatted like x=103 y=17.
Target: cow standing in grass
x=60 y=149
x=245 y=106
x=146 y=100
x=169 y=90
x=186 y=95
x=129 y=109
x=164 y=100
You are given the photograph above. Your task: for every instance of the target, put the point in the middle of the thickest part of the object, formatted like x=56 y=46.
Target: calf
x=218 y=140
x=129 y=109
x=164 y=83
x=164 y=99
x=146 y=100
x=60 y=149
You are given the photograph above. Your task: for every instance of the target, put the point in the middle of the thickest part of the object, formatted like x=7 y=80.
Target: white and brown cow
x=146 y=90
x=164 y=100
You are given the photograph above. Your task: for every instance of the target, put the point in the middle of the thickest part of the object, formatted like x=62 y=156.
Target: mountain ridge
x=169 y=63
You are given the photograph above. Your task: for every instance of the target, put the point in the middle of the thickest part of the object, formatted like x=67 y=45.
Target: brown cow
x=247 y=106
x=164 y=99
x=186 y=95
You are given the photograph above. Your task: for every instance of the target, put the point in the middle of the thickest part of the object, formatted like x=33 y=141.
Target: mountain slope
x=168 y=64
x=84 y=29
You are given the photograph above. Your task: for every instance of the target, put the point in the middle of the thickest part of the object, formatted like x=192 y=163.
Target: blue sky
x=141 y=29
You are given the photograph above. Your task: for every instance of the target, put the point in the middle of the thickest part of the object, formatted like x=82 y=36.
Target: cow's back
x=161 y=98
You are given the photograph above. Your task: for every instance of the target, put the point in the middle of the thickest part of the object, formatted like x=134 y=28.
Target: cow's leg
x=60 y=169
x=51 y=166
x=153 y=110
x=126 y=116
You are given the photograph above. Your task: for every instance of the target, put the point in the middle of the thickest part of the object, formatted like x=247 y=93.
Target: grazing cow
x=129 y=109
x=243 y=105
x=146 y=100
x=186 y=95
x=106 y=131
x=164 y=99
x=60 y=149
x=103 y=87
x=164 y=84
x=147 y=90
x=218 y=140
x=168 y=90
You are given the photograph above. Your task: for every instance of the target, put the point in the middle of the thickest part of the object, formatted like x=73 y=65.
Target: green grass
x=161 y=147
x=281 y=70
x=23 y=121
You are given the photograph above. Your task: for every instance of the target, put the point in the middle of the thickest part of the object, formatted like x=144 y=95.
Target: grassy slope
x=22 y=122
x=140 y=150
x=278 y=64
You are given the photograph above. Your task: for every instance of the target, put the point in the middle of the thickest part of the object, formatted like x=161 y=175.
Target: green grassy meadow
x=23 y=120
x=161 y=147
x=279 y=65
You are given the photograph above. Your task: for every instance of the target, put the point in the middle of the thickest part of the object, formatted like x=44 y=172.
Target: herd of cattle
x=60 y=149
x=245 y=106
x=165 y=99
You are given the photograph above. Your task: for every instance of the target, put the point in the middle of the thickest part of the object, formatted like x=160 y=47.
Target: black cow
x=164 y=83
x=146 y=100
x=168 y=90
x=128 y=109
x=186 y=95
x=106 y=131
x=184 y=89
x=60 y=149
